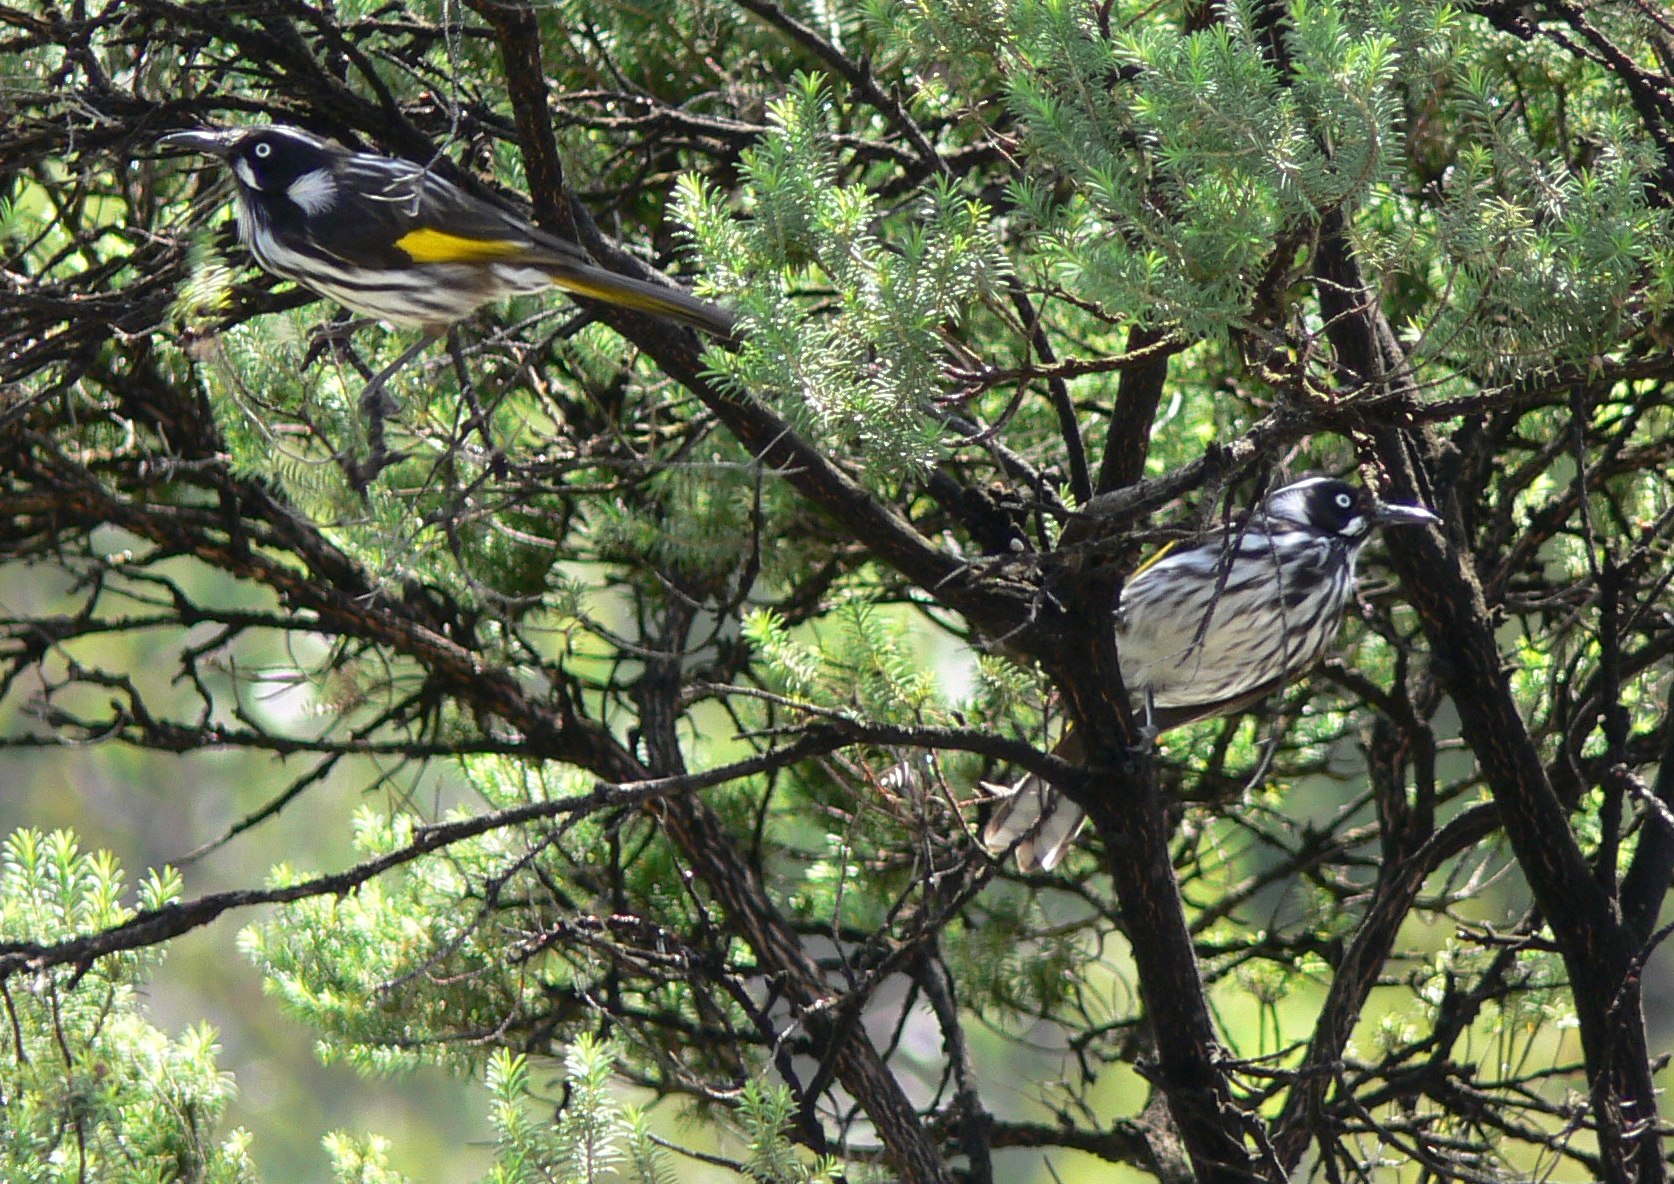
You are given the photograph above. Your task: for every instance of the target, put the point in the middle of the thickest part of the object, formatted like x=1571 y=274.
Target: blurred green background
x=150 y=809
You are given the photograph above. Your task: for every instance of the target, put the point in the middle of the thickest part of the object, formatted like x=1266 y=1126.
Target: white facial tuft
x=314 y=191
x=246 y=174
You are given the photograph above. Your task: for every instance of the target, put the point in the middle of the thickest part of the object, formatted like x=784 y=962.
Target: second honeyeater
x=1209 y=629
x=391 y=240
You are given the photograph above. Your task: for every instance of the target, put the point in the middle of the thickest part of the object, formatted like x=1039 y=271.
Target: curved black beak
x=1388 y=515
x=209 y=141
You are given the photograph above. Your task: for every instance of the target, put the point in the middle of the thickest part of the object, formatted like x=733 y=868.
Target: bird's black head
x=1331 y=507
x=268 y=160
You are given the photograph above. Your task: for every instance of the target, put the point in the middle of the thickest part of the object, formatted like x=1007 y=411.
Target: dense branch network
x=541 y=617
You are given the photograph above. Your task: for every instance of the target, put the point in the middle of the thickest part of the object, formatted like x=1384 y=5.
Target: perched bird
x=391 y=240
x=1208 y=629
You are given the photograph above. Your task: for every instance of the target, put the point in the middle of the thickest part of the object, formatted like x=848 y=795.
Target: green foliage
x=939 y=221
x=1543 y=262
x=594 y=1137
x=1191 y=155
x=863 y=667
x=860 y=380
x=384 y=973
x=597 y=1136
x=92 y=1090
x=361 y=1160
x=209 y=291
x=765 y=1112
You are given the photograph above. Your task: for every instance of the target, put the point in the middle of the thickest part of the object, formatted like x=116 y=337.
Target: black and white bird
x=1211 y=628
x=392 y=240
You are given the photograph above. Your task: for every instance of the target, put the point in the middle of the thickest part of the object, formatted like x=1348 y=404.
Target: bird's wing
x=1164 y=610
x=398 y=214
x=421 y=218
x=459 y=227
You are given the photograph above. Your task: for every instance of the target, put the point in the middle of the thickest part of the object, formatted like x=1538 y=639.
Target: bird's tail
x=595 y=283
x=1033 y=820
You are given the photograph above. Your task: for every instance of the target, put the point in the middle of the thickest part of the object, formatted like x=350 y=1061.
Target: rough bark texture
x=125 y=460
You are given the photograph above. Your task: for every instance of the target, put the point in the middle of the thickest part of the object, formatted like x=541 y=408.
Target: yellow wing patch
x=1152 y=562
x=425 y=245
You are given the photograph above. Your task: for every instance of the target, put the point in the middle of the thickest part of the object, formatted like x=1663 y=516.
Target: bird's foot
x=1147 y=729
x=333 y=337
x=376 y=406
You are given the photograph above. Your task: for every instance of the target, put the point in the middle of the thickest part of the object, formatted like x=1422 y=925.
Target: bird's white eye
x=263 y=150
x=1344 y=501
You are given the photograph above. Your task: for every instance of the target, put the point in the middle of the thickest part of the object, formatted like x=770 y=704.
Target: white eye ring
x=1344 y=501
x=263 y=150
